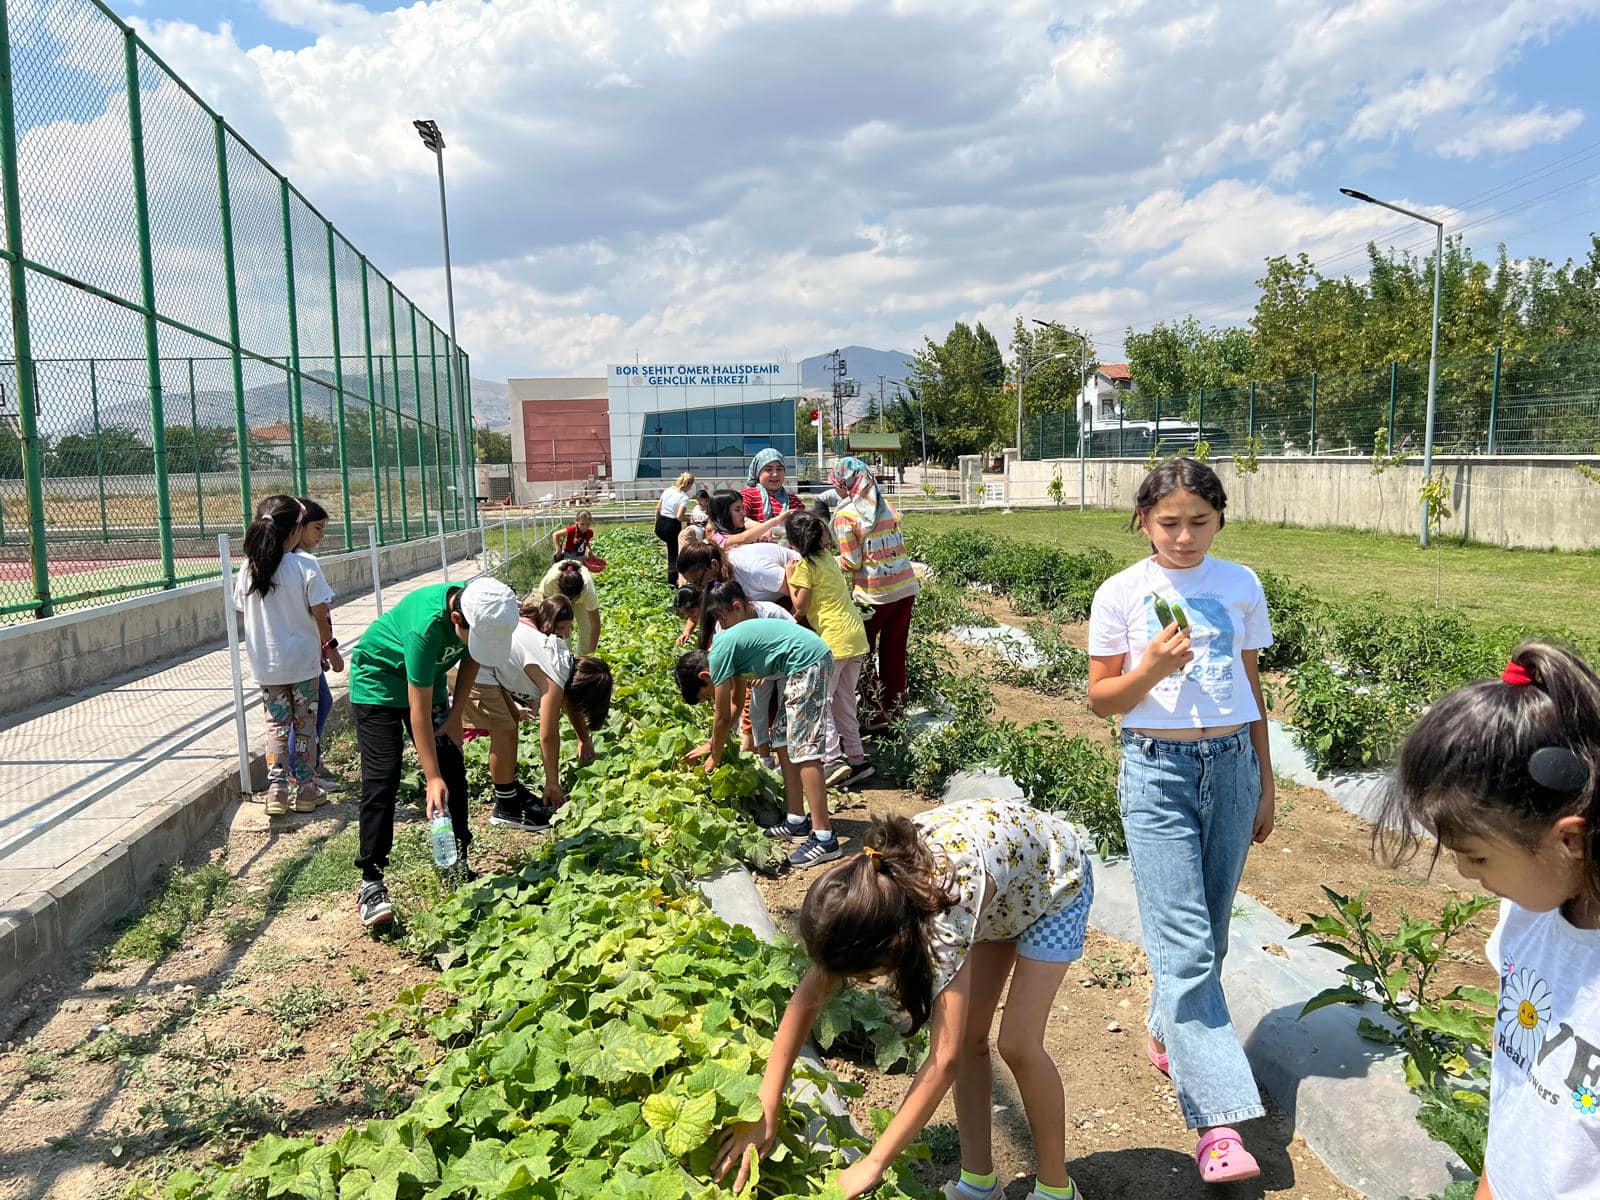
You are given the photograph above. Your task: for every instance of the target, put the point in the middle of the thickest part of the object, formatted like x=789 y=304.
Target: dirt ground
x=1125 y=1136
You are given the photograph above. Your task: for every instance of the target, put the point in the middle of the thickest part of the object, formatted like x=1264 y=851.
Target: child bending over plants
x=1504 y=774
x=1173 y=648
x=950 y=904
x=752 y=647
x=541 y=680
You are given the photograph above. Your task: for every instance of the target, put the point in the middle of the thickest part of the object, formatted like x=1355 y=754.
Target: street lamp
x=434 y=140
x=1433 y=347
x=1083 y=465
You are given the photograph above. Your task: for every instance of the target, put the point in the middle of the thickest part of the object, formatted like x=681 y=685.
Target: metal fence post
x=444 y=550
x=372 y=396
x=1494 y=400
x=470 y=465
x=296 y=411
x=1250 y=418
x=231 y=283
x=458 y=502
x=22 y=351
x=394 y=355
x=440 y=479
x=422 y=460
x=194 y=432
x=99 y=452
x=338 y=384
x=1200 y=416
x=147 y=292
x=231 y=623
x=1122 y=416
x=1313 y=414
x=377 y=573
x=1155 y=445
x=1394 y=390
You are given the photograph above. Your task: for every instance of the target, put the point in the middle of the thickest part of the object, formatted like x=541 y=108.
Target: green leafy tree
x=1053 y=383
x=121 y=452
x=1175 y=359
x=961 y=380
x=493 y=446
x=211 y=448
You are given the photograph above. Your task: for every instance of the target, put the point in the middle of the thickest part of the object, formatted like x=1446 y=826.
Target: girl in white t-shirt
x=284 y=598
x=1504 y=774
x=671 y=516
x=1173 y=646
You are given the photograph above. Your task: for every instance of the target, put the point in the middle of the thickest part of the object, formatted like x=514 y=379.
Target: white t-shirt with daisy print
x=1008 y=864
x=1544 y=1089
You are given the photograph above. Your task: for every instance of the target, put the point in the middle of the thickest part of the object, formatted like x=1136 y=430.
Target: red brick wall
x=564 y=439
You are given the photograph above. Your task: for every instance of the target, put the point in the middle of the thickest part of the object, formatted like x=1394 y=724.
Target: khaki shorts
x=489 y=706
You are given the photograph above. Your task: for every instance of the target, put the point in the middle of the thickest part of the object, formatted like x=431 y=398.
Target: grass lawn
x=1493 y=586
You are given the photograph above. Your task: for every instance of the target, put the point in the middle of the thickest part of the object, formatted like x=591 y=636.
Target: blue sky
x=684 y=181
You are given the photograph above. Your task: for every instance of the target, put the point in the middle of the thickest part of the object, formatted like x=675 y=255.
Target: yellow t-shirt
x=831 y=611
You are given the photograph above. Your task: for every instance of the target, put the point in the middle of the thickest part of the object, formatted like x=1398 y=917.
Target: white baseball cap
x=490 y=610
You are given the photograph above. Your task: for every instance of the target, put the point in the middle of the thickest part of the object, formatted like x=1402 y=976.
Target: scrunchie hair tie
x=872 y=852
x=1516 y=674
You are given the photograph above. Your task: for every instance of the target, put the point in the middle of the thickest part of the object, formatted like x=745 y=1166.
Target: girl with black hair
x=573 y=580
x=313 y=528
x=1174 y=643
x=1506 y=775
x=729 y=525
x=951 y=905
x=284 y=599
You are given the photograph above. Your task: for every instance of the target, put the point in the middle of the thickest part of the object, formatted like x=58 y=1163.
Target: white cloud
x=1517 y=131
x=675 y=177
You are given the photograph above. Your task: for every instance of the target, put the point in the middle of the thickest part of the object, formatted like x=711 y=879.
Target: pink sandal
x=1158 y=1059
x=1222 y=1158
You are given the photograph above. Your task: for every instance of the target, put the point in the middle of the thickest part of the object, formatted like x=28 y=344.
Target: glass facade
x=714 y=442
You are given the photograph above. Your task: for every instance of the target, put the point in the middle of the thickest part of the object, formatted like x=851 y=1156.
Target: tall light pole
x=1433 y=346
x=434 y=140
x=1083 y=463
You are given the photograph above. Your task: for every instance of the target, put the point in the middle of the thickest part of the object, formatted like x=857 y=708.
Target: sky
x=690 y=180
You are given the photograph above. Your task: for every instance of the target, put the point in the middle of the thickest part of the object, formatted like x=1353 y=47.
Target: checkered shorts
x=1058 y=938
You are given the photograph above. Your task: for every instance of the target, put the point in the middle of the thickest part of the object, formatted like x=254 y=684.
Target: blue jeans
x=324 y=707
x=1189 y=809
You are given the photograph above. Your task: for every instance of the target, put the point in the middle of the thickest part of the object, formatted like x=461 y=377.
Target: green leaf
x=1330 y=996
x=683 y=1123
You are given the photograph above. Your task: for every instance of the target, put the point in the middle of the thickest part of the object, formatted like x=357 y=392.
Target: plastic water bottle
x=443 y=837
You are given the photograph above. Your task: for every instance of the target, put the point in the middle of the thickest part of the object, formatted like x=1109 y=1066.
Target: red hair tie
x=1516 y=674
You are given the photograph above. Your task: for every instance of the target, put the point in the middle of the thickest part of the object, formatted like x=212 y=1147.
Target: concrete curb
x=1342 y=1093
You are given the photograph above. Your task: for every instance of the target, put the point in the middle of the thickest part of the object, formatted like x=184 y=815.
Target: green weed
x=183 y=899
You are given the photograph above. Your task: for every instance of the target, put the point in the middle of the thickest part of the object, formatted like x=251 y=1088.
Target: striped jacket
x=874 y=558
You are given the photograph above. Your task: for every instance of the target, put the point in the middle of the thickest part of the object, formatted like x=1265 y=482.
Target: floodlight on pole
x=1433 y=344
x=428 y=131
x=1024 y=368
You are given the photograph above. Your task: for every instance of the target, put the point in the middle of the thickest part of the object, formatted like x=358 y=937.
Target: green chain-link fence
x=1544 y=401
x=184 y=334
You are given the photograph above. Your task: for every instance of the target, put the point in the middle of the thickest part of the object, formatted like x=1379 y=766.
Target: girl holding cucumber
x=1173 y=644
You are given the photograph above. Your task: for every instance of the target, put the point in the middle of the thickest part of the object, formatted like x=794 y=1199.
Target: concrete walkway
x=101 y=788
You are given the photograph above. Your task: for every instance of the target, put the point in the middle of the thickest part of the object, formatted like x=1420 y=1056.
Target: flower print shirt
x=1009 y=865
x=1544 y=1087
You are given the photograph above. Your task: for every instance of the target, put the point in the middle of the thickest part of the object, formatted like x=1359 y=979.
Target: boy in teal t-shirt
x=397 y=686
x=752 y=647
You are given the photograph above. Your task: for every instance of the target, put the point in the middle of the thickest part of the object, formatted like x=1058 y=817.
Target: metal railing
x=1528 y=401
x=183 y=333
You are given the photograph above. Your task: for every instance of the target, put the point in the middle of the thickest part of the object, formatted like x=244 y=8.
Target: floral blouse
x=1032 y=859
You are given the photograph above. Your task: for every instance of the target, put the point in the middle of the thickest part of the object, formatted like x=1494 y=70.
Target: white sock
x=795 y=819
x=824 y=835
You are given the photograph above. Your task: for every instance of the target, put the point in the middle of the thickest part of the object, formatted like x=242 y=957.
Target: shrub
x=1298 y=622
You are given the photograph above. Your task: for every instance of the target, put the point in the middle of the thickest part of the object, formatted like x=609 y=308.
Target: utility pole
x=843 y=389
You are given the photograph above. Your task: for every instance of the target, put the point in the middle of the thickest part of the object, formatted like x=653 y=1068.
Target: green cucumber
x=1180 y=616
x=1163 y=611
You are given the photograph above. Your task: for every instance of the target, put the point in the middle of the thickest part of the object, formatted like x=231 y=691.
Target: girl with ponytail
x=949 y=905
x=1505 y=774
x=284 y=599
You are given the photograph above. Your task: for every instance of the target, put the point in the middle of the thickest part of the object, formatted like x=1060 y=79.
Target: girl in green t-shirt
x=821 y=596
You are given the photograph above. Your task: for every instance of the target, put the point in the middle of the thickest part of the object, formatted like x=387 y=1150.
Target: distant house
x=272 y=442
x=1102 y=399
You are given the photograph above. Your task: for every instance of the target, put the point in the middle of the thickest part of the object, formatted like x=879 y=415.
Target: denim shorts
x=1058 y=938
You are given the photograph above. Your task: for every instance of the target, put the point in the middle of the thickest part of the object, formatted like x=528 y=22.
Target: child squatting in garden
x=752 y=647
x=1173 y=645
x=1506 y=775
x=951 y=904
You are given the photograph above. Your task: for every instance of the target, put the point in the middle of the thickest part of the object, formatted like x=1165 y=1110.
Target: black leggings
x=381 y=735
x=667 y=529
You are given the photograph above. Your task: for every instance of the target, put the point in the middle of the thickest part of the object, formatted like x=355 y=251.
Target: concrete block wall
x=43 y=660
x=1532 y=502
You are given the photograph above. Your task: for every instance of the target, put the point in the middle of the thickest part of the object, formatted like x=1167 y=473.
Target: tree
x=1175 y=359
x=211 y=448
x=960 y=380
x=121 y=452
x=1053 y=384
x=493 y=446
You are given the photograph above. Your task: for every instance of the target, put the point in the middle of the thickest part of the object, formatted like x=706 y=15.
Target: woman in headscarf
x=872 y=554
x=766 y=497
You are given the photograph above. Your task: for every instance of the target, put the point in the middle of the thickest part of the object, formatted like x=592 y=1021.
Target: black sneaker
x=520 y=816
x=787 y=829
x=858 y=772
x=373 y=904
x=813 y=852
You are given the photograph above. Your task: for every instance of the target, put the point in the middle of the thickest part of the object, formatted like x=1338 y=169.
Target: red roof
x=1115 y=371
x=274 y=433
